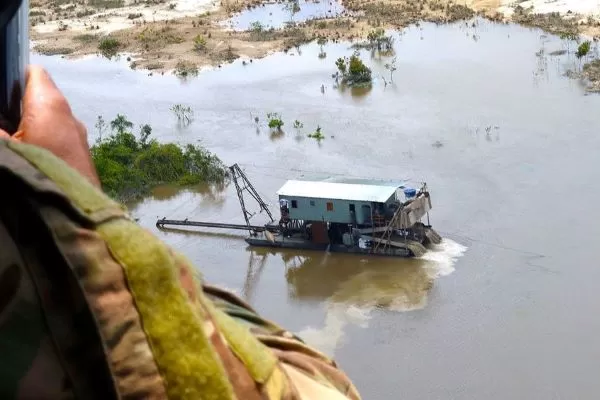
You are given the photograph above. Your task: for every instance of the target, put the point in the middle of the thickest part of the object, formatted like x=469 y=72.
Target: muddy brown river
x=507 y=307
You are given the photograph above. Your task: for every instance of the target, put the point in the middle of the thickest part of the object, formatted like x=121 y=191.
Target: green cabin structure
x=356 y=202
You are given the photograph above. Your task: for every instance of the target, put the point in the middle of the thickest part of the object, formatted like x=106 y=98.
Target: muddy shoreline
x=165 y=36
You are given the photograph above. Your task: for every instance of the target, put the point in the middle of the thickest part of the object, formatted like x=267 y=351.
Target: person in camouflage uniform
x=92 y=306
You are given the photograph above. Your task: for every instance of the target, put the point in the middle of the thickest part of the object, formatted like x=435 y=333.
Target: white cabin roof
x=338 y=191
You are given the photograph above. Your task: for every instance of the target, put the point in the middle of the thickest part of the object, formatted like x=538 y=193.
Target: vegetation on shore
x=184 y=44
x=202 y=40
x=129 y=166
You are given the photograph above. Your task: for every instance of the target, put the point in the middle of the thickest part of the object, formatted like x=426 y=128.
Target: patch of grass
x=259 y=32
x=106 y=3
x=53 y=51
x=226 y=54
x=377 y=40
x=378 y=13
x=135 y=16
x=294 y=37
x=85 y=38
x=37 y=13
x=185 y=69
x=85 y=13
x=155 y=65
x=199 y=43
x=457 y=12
x=550 y=22
x=109 y=46
x=152 y=38
x=591 y=71
x=317 y=134
x=232 y=6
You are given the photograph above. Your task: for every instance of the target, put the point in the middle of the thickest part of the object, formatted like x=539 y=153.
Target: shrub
x=109 y=46
x=275 y=121
x=353 y=71
x=199 y=43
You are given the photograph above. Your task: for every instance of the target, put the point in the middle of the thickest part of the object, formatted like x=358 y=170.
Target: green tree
x=109 y=47
x=120 y=124
x=583 y=49
x=340 y=63
x=145 y=132
x=199 y=43
x=100 y=126
x=392 y=68
x=322 y=41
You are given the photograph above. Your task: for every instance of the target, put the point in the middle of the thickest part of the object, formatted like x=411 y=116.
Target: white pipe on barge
x=161 y=223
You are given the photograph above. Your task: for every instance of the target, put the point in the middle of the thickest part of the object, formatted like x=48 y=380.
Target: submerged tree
x=583 y=49
x=352 y=71
x=184 y=114
x=568 y=37
x=321 y=41
x=293 y=7
x=275 y=121
x=392 y=68
x=317 y=134
x=378 y=40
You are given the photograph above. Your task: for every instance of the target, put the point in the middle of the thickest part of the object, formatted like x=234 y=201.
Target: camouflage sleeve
x=93 y=306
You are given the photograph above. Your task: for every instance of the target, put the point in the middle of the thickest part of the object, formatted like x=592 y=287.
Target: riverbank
x=186 y=35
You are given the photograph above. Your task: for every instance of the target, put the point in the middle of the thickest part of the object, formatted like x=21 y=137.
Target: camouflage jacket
x=92 y=306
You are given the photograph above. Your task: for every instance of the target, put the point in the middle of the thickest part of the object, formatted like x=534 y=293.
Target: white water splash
x=341 y=310
x=442 y=257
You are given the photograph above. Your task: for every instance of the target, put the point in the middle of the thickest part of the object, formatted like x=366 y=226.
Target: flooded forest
x=493 y=104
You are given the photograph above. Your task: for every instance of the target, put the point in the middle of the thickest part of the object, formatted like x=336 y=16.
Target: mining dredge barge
x=358 y=216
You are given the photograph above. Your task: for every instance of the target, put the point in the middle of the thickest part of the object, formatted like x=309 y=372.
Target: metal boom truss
x=243 y=184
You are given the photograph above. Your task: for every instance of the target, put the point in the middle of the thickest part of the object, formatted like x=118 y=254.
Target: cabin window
x=329 y=206
x=294 y=203
x=312 y=203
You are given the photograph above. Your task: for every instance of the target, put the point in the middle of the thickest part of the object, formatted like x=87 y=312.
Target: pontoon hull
x=298 y=244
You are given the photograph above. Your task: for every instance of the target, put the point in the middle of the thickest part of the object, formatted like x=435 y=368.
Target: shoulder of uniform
x=42 y=171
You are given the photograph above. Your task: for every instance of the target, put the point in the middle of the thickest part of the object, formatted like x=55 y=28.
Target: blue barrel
x=410 y=193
